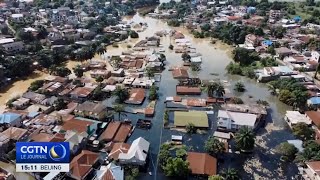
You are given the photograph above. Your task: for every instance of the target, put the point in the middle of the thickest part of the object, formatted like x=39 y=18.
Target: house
x=202 y=164
x=137 y=153
x=314 y=116
x=105 y=74
x=186 y=90
x=233 y=121
x=88 y=126
x=110 y=172
x=77 y=141
x=251 y=39
x=118 y=73
x=92 y=110
x=295 y=117
x=13 y=47
x=283 y=52
x=17 y=17
x=118 y=148
x=110 y=131
x=12 y=134
x=276 y=14
x=10 y=119
x=123 y=133
x=83 y=164
x=34 y=97
x=180 y=73
x=137 y=96
x=312 y=171
x=20 y=103
x=142 y=83
x=315 y=56
x=198 y=118
x=82 y=93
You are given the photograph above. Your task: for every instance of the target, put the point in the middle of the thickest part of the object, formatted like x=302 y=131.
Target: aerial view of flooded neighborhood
x=149 y=89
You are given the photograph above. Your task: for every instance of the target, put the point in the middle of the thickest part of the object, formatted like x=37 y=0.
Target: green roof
x=198 y=118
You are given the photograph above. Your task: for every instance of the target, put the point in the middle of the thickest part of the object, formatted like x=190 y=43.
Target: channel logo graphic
x=42 y=152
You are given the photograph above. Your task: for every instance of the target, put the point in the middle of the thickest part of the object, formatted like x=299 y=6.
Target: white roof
x=296 y=117
x=196 y=59
x=17 y=15
x=138 y=150
x=6 y=40
x=109 y=88
x=222 y=135
x=143 y=82
x=182 y=41
x=242 y=119
x=116 y=171
x=175 y=137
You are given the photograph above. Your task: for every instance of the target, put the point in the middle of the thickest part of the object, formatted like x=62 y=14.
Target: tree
x=230 y=174
x=211 y=88
x=239 y=86
x=35 y=85
x=215 y=177
x=195 y=67
x=186 y=57
x=181 y=153
x=303 y=131
x=153 y=95
x=191 y=129
x=171 y=47
x=176 y=167
x=244 y=56
x=245 y=139
x=213 y=146
x=164 y=154
x=99 y=79
x=119 y=108
x=101 y=50
x=98 y=94
x=149 y=72
x=78 y=71
x=220 y=91
x=310 y=152
x=135 y=172
x=122 y=94
x=134 y=34
x=60 y=71
x=116 y=60
x=166 y=117
x=236 y=100
x=12 y=155
x=17 y=66
x=287 y=151
x=60 y=104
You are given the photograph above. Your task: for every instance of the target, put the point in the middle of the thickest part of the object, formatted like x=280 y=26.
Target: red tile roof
x=180 y=73
x=81 y=165
x=137 y=96
x=202 y=163
x=111 y=131
x=185 y=90
x=77 y=125
x=314 y=116
x=196 y=102
x=122 y=133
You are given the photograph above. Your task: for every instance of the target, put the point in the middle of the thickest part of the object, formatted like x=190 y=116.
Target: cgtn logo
x=42 y=156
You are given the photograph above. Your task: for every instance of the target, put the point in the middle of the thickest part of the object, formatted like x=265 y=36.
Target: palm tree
x=213 y=146
x=239 y=86
x=118 y=108
x=230 y=174
x=101 y=50
x=272 y=89
x=78 y=71
x=245 y=139
x=220 y=91
x=122 y=94
x=211 y=89
x=149 y=72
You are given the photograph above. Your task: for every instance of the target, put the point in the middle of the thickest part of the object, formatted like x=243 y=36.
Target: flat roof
x=198 y=118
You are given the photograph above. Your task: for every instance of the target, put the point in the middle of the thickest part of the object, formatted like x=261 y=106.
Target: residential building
x=137 y=153
x=13 y=47
x=80 y=125
x=110 y=172
x=202 y=164
x=314 y=116
x=137 y=96
x=180 y=73
x=118 y=148
x=283 y=52
x=83 y=164
x=315 y=55
x=20 y=103
x=17 y=17
x=92 y=110
x=252 y=39
x=312 y=171
x=110 y=131
x=186 y=90
x=198 y=118
x=233 y=121
x=295 y=117
x=314 y=101
x=10 y=120
x=275 y=14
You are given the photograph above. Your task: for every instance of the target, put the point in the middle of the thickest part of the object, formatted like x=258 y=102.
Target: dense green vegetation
x=290 y=92
x=122 y=94
x=153 y=93
x=287 y=151
x=303 y=131
x=213 y=146
x=245 y=139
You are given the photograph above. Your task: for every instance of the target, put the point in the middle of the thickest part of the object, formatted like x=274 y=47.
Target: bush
x=174 y=23
x=35 y=85
x=115 y=45
x=191 y=129
x=134 y=34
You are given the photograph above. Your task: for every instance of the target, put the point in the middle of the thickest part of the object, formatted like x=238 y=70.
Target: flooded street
x=214 y=60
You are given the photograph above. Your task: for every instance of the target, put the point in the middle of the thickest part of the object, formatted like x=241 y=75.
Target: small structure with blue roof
x=267 y=43
x=314 y=101
x=251 y=10
x=11 y=119
x=297 y=19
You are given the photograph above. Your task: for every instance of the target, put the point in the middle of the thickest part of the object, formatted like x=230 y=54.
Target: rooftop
x=111 y=131
x=137 y=96
x=81 y=165
x=198 y=118
x=202 y=163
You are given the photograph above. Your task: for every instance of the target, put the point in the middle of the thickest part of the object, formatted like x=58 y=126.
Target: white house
x=17 y=17
x=111 y=171
x=295 y=117
x=234 y=120
x=137 y=153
